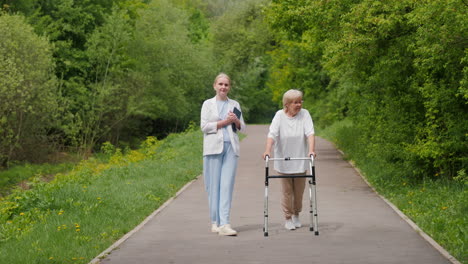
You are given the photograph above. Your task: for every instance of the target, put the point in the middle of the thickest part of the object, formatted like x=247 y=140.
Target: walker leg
x=265 y=213
x=311 y=208
x=314 y=204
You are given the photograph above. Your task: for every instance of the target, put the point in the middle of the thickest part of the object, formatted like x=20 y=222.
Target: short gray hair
x=290 y=95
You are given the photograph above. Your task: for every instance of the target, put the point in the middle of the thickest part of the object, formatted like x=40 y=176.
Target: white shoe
x=214 y=228
x=289 y=225
x=226 y=230
x=296 y=221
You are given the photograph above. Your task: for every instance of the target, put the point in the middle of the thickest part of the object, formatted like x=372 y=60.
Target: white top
x=213 y=137
x=223 y=112
x=290 y=136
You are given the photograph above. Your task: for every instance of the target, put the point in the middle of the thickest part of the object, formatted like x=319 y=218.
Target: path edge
x=106 y=252
x=410 y=222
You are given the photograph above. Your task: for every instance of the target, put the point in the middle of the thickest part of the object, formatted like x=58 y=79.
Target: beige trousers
x=292 y=191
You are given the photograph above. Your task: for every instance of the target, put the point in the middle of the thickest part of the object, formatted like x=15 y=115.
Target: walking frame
x=312 y=191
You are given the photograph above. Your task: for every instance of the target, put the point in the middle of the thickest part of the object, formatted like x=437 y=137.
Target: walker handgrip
x=289 y=158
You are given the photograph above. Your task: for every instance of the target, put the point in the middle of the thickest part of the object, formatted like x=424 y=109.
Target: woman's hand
x=232 y=118
x=266 y=153
x=312 y=153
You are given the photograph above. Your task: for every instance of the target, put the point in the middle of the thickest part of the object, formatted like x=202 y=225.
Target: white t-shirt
x=290 y=136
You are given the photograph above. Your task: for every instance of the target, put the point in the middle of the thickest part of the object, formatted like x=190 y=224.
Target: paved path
x=356 y=226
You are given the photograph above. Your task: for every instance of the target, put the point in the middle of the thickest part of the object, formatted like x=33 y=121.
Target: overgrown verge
x=16 y=174
x=436 y=204
x=77 y=215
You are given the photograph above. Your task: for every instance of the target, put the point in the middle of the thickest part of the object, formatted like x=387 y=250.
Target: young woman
x=220 y=123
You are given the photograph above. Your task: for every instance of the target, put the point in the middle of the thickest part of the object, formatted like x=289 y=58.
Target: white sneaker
x=296 y=221
x=214 y=228
x=289 y=225
x=226 y=230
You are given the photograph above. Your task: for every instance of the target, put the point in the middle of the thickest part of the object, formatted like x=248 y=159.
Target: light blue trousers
x=219 y=172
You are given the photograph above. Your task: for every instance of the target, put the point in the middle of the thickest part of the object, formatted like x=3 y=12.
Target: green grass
x=11 y=177
x=438 y=206
x=78 y=215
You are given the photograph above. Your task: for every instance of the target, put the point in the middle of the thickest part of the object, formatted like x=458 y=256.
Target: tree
x=174 y=72
x=241 y=41
x=104 y=105
x=440 y=48
x=28 y=88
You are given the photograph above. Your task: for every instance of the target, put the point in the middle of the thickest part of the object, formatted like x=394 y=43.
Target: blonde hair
x=221 y=75
x=290 y=96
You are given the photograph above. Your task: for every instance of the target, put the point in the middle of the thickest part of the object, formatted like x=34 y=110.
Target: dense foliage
x=110 y=70
x=242 y=40
x=130 y=68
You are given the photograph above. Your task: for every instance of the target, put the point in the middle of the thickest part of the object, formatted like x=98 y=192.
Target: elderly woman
x=292 y=134
x=221 y=118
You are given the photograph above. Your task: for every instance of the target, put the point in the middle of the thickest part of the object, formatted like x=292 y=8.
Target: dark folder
x=238 y=114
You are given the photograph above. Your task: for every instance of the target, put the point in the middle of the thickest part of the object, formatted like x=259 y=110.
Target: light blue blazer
x=213 y=137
